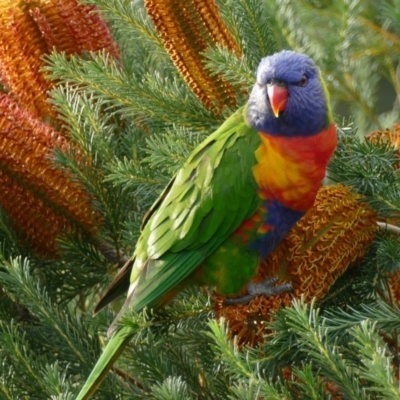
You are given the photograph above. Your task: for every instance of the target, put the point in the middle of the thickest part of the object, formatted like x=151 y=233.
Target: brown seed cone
x=386 y=136
x=42 y=200
x=333 y=234
x=393 y=138
x=186 y=33
x=394 y=286
x=32 y=28
x=21 y=50
x=72 y=27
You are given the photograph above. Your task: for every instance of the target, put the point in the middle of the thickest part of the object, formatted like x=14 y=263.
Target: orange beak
x=278 y=97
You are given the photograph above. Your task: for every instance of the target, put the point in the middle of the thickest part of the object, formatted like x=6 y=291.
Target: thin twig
x=128 y=377
x=388 y=227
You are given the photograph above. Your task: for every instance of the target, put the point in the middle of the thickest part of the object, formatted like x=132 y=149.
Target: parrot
x=233 y=200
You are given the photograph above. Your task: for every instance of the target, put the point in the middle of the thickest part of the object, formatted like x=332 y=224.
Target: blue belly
x=281 y=219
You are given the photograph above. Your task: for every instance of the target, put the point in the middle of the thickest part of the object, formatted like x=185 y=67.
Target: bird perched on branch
x=234 y=199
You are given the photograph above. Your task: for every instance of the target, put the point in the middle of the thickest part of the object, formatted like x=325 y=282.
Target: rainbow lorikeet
x=235 y=198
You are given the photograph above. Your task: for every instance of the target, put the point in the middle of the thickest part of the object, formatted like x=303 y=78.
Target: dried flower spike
x=41 y=199
x=393 y=138
x=32 y=28
x=387 y=136
x=332 y=235
x=186 y=32
x=21 y=49
x=71 y=27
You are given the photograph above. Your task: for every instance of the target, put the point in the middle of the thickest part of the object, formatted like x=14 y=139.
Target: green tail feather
x=118 y=287
x=104 y=364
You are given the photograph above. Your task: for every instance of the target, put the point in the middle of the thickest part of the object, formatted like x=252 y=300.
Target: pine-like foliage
x=356 y=44
x=132 y=121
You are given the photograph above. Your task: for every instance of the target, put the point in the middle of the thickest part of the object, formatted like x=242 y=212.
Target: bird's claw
x=265 y=288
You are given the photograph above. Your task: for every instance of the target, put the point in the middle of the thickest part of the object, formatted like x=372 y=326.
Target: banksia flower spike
x=31 y=29
x=74 y=28
x=21 y=49
x=42 y=201
x=332 y=236
x=186 y=33
x=394 y=286
x=387 y=136
x=392 y=137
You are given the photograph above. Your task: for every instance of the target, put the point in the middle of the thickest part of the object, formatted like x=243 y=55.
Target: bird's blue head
x=289 y=97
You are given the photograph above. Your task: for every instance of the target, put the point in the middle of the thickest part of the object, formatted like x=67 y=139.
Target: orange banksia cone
x=391 y=137
x=31 y=29
x=186 y=33
x=42 y=200
x=332 y=236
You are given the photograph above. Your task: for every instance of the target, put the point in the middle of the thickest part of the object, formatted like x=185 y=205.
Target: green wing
x=211 y=195
x=209 y=198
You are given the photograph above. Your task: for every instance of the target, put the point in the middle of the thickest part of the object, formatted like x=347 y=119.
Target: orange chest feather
x=291 y=170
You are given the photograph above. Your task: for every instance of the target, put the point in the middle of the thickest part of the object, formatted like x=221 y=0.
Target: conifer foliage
x=98 y=109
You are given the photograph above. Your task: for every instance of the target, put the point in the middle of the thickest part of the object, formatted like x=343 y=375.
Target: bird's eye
x=303 y=81
x=269 y=82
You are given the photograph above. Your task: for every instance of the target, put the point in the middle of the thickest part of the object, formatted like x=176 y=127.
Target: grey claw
x=254 y=289
x=264 y=287
x=238 y=300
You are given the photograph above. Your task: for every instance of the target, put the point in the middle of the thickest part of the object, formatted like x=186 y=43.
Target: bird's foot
x=254 y=289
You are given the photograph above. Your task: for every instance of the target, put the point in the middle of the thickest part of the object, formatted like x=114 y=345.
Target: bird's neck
x=291 y=169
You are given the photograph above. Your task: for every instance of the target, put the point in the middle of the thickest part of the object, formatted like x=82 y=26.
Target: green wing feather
x=210 y=197
x=118 y=287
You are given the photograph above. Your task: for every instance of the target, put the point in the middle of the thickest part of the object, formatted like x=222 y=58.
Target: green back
x=208 y=199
